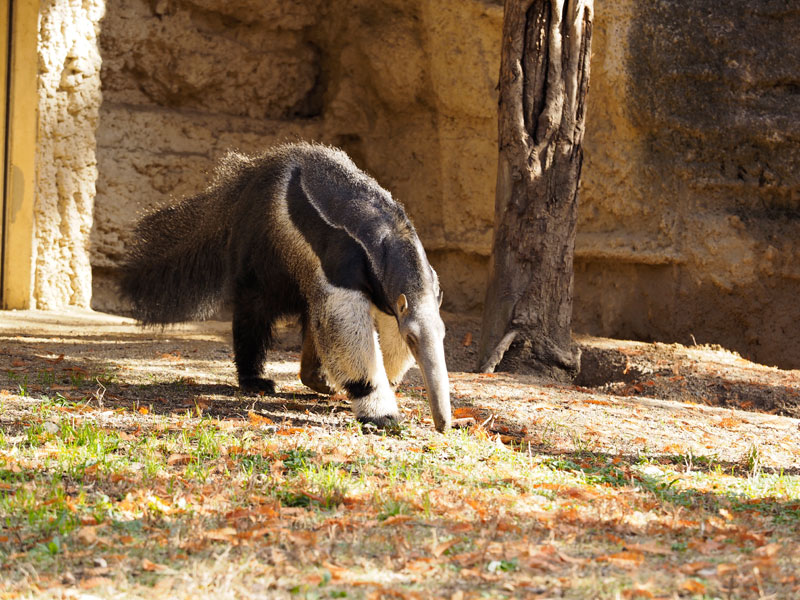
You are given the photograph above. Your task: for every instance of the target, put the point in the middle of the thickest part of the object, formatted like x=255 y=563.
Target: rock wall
x=689 y=202
x=406 y=87
x=184 y=82
x=69 y=100
x=690 y=205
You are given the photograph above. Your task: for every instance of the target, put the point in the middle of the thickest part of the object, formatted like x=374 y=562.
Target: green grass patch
x=326 y=511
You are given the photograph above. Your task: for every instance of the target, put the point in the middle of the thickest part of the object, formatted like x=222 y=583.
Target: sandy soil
x=630 y=398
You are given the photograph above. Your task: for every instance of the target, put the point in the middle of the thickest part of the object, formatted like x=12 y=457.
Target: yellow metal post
x=5 y=33
x=21 y=100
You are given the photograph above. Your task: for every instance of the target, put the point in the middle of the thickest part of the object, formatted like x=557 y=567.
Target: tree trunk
x=544 y=76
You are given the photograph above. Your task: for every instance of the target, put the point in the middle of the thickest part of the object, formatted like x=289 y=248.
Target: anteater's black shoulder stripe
x=348 y=198
x=343 y=259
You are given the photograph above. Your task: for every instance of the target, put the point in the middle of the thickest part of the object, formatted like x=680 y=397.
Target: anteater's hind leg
x=348 y=348
x=311 y=372
x=252 y=336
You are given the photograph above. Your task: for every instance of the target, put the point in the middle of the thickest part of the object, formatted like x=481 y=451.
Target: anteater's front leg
x=397 y=357
x=311 y=372
x=348 y=348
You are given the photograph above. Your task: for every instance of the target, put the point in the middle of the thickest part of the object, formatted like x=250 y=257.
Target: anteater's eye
x=411 y=340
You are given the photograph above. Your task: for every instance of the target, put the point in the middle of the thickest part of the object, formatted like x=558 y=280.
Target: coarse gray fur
x=300 y=230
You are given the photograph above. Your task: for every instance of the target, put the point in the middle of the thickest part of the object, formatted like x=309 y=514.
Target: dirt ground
x=132 y=466
x=630 y=396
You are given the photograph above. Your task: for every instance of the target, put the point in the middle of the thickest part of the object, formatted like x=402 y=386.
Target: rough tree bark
x=544 y=76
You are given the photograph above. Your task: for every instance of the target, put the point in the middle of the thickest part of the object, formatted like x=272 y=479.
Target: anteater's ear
x=402 y=304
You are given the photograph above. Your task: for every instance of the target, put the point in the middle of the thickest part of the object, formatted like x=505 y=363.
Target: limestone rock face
x=240 y=58
x=405 y=87
x=689 y=209
x=689 y=200
x=69 y=99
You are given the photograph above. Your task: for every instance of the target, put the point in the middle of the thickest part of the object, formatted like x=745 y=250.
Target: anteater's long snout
x=430 y=358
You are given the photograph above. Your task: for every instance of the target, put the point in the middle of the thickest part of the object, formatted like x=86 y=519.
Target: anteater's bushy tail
x=177 y=266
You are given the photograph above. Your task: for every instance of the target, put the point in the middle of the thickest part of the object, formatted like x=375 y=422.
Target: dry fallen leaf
x=624 y=559
x=637 y=592
x=87 y=535
x=164 y=584
x=705 y=546
x=595 y=401
x=396 y=519
x=479 y=432
x=313 y=579
x=649 y=548
x=224 y=534
x=258 y=532
x=256 y=419
x=465 y=412
x=769 y=550
x=336 y=571
x=93 y=582
x=179 y=459
x=440 y=549
x=693 y=586
x=724 y=568
x=148 y=565
x=289 y=430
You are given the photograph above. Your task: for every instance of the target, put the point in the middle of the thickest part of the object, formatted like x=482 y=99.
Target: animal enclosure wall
x=405 y=87
x=689 y=207
x=69 y=101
